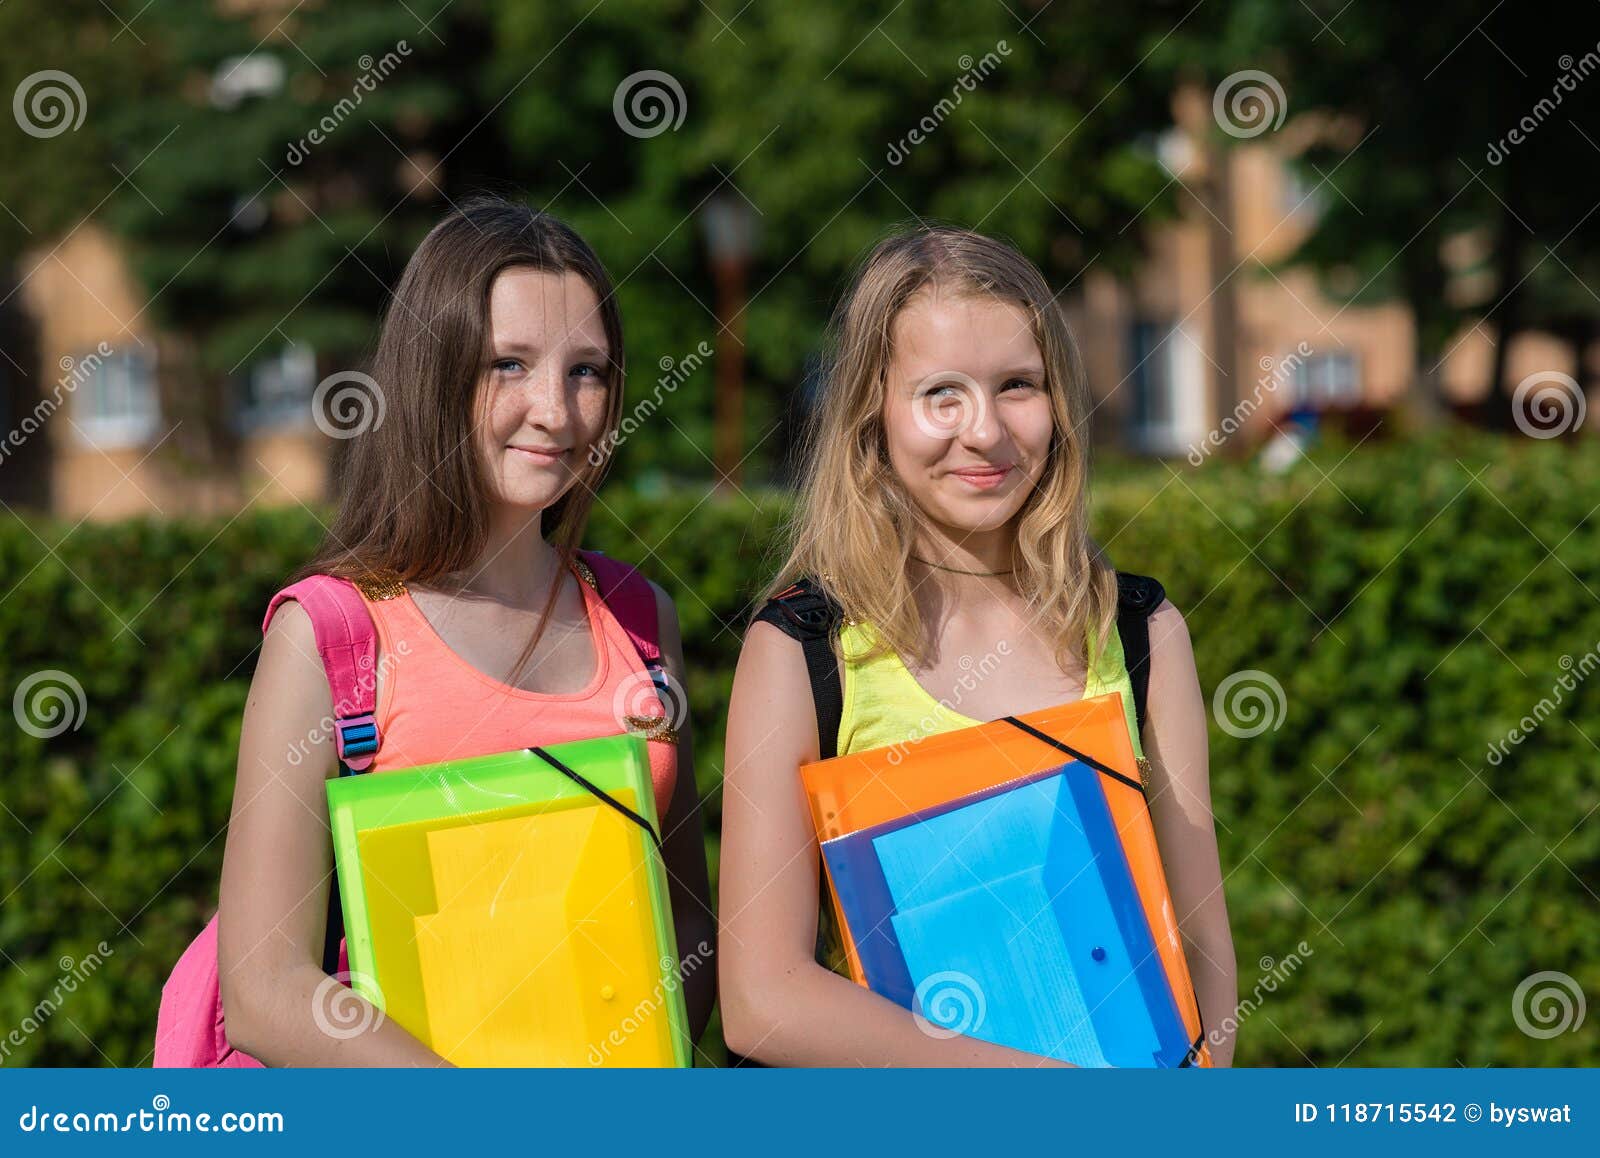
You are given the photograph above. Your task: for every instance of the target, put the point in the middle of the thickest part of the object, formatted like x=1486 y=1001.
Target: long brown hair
x=414 y=494
x=854 y=522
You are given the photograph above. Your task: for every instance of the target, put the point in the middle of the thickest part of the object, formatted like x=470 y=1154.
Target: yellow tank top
x=884 y=704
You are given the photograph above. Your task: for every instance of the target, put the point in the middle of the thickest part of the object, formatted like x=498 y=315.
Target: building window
x=1168 y=379
x=1331 y=378
x=276 y=391
x=1303 y=194
x=118 y=404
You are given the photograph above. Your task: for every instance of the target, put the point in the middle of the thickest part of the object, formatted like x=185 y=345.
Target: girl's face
x=966 y=417
x=542 y=402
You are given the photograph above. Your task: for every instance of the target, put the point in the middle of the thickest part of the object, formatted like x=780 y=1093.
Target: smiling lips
x=540 y=454
x=983 y=477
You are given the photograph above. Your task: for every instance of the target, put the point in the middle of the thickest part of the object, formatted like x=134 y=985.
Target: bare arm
x=279 y=1005
x=684 y=843
x=1180 y=807
x=778 y=1005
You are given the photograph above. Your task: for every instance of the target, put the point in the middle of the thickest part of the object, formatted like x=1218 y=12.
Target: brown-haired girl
x=944 y=513
x=500 y=373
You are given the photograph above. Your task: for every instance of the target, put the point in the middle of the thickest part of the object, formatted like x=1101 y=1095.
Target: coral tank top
x=433 y=705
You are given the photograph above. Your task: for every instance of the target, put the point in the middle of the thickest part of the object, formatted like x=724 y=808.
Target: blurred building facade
x=1204 y=340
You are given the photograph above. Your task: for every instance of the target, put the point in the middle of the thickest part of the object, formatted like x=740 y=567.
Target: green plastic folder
x=508 y=913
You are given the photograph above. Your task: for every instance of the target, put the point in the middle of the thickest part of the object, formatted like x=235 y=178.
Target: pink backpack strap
x=631 y=599
x=348 y=644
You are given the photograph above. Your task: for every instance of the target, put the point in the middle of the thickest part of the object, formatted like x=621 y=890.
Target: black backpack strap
x=1137 y=597
x=806 y=613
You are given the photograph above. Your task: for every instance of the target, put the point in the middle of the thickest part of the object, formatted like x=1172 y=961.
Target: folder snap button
x=1098 y=953
x=607 y=992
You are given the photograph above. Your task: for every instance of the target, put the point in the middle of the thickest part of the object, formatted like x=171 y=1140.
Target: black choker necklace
x=959 y=571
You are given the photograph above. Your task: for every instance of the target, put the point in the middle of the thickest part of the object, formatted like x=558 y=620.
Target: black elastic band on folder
x=1075 y=754
x=596 y=790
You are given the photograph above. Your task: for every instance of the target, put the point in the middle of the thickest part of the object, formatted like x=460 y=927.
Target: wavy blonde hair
x=853 y=524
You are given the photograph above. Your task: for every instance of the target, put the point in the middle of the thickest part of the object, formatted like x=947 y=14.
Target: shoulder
x=1171 y=651
x=290 y=635
x=289 y=675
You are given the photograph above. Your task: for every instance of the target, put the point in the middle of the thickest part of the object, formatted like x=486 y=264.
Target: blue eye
x=593 y=370
x=505 y=365
x=1024 y=383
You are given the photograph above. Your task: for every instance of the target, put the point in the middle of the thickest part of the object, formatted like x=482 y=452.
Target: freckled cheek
x=590 y=413
x=909 y=446
x=1032 y=431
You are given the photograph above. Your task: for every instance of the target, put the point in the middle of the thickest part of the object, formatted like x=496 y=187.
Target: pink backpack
x=189 y=1027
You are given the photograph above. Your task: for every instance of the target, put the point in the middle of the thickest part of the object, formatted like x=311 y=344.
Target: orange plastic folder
x=991 y=872
x=508 y=912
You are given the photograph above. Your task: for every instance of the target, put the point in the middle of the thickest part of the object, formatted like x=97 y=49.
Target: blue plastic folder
x=1020 y=900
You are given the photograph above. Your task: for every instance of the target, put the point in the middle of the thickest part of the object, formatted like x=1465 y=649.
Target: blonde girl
x=944 y=511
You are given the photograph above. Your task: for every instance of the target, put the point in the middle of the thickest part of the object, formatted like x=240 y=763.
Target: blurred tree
x=1416 y=177
x=833 y=123
x=54 y=156
x=302 y=154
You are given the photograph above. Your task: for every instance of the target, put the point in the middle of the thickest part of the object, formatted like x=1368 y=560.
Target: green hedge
x=1413 y=602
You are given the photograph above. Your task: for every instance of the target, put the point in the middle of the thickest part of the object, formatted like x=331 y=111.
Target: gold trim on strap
x=652 y=728
x=380 y=585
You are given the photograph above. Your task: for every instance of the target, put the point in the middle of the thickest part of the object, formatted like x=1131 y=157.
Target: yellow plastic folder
x=507 y=913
